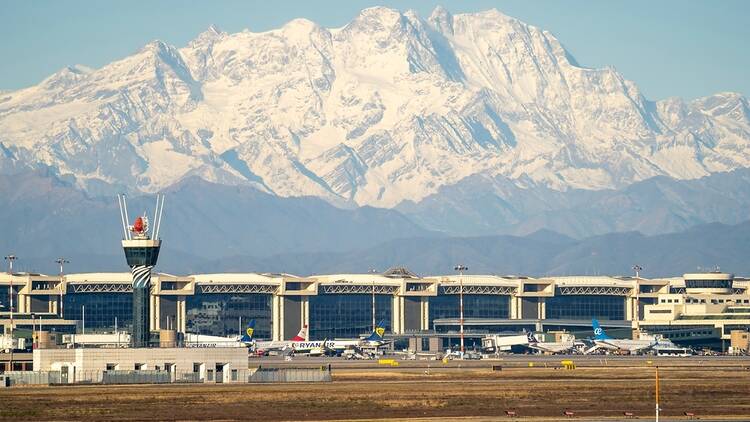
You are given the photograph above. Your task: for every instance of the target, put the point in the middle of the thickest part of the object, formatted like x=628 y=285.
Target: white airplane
x=547 y=347
x=283 y=345
x=602 y=340
x=317 y=348
x=207 y=341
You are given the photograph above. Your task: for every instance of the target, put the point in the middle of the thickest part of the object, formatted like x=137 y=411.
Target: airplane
x=602 y=340
x=554 y=347
x=376 y=338
x=374 y=341
x=208 y=341
x=269 y=345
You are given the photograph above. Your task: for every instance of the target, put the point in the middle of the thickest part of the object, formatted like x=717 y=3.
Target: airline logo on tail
x=599 y=333
x=378 y=332
x=530 y=337
x=249 y=331
x=302 y=335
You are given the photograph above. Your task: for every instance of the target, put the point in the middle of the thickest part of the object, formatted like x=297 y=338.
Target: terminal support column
x=306 y=312
x=397 y=326
x=155 y=312
x=277 y=311
x=515 y=307
x=181 y=314
x=630 y=312
x=542 y=308
x=425 y=314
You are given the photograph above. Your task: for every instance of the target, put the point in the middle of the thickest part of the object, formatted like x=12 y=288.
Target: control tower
x=141 y=253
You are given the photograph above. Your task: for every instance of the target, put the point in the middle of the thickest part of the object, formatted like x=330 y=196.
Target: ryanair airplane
x=317 y=347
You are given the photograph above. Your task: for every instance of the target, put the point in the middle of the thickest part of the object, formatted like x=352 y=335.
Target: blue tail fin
x=599 y=333
x=377 y=334
x=248 y=336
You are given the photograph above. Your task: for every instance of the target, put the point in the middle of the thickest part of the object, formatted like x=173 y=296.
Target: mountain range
x=312 y=140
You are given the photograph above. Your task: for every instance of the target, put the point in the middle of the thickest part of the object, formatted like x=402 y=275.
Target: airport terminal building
x=698 y=308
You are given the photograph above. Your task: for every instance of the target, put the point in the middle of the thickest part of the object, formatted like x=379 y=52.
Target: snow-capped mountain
x=389 y=108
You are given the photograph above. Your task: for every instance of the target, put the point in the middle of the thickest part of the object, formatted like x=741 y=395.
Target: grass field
x=399 y=393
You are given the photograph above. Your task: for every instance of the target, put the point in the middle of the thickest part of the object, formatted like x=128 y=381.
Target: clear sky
x=684 y=48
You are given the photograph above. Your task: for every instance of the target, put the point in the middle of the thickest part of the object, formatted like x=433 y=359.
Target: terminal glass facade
x=475 y=306
x=585 y=307
x=347 y=315
x=100 y=310
x=227 y=314
x=5 y=298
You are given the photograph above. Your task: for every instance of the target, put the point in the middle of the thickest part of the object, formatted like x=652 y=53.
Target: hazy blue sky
x=669 y=48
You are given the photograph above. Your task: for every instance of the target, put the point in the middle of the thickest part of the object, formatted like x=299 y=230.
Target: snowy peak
x=388 y=108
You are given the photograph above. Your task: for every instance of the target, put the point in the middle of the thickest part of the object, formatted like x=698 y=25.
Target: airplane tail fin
x=531 y=338
x=327 y=347
x=377 y=333
x=302 y=335
x=249 y=331
x=599 y=333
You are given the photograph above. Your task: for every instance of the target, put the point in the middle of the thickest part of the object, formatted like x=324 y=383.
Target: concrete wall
x=182 y=360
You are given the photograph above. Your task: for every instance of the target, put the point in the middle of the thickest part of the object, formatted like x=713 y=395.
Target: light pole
x=461 y=269
x=657 y=394
x=373 y=271
x=61 y=262
x=10 y=259
x=637 y=312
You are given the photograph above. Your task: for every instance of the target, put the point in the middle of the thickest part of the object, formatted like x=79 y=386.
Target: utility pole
x=10 y=259
x=61 y=262
x=461 y=269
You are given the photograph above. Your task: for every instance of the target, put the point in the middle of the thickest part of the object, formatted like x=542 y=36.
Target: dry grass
x=399 y=394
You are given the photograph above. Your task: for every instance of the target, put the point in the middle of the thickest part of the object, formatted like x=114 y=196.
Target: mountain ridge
x=389 y=108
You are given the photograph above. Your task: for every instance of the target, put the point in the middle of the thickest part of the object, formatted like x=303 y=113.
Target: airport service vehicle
x=673 y=351
x=494 y=344
x=603 y=341
x=550 y=347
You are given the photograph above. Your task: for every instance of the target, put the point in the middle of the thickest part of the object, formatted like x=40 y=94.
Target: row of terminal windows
x=347 y=315
x=475 y=306
x=226 y=314
x=99 y=311
x=585 y=307
x=713 y=301
x=708 y=284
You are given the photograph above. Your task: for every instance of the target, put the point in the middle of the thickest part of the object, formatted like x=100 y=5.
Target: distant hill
x=538 y=254
x=210 y=227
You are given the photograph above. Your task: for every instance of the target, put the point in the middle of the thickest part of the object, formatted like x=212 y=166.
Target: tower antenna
x=123 y=215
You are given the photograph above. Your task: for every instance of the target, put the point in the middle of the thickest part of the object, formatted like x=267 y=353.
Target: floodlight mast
x=461 y=268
